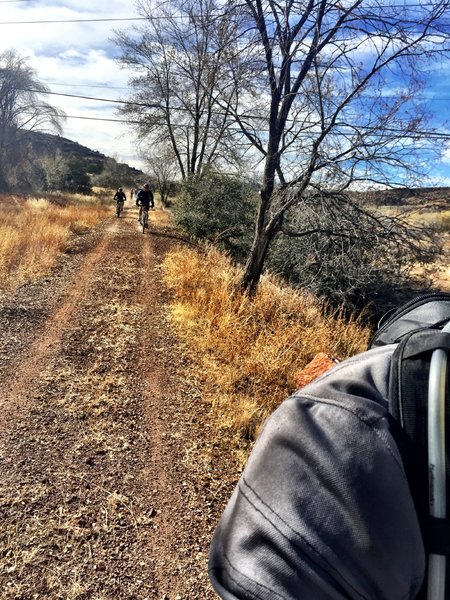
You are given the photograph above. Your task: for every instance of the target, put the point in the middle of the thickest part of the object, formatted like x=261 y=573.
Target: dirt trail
x=111 y=479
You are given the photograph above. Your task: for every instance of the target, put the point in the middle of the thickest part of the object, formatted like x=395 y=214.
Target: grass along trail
x=110 y=479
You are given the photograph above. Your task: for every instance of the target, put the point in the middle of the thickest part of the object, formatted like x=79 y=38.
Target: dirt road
x=111 y=479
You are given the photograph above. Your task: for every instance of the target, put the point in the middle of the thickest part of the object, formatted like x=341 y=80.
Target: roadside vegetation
x=35 y=231
x=247 y=351
x=355 y=254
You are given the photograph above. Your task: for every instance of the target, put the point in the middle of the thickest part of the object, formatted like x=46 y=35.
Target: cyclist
x=144 y=198
x=120 y=198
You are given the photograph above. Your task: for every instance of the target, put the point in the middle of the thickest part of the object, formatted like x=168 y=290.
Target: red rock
x=319 y=364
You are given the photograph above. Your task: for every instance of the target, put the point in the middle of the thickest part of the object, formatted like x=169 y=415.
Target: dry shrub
x=34 y=232
x=249 y=350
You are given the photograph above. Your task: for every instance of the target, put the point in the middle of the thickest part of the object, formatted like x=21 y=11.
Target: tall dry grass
x=34 y=232
x=248 y=351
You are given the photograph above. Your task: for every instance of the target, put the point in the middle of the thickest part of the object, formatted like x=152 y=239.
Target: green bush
x=218 y=208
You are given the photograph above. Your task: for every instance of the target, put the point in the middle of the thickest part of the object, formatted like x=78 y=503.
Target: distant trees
x=66 y=173
x=115 y=174
x=162 y=164
x=21 y=111
x=182 y=84
x=55 y=171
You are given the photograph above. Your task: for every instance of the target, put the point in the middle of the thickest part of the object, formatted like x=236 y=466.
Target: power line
x=84 y=85
x=71 y=20
x=94 y=98
x=165 y=17
x=433 y=134
x=401 y=132
x=148 y=105
x=116 y=87
x=102 y=119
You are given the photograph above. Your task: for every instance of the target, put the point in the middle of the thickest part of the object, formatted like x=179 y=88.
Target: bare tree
x=163 y=167
x=21 y=111
x=332 y=99
x=180 y=58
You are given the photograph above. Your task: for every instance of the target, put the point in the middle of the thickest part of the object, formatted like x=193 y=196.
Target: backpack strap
x=408 y=398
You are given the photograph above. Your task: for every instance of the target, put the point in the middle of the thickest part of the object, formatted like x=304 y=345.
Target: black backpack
x=419 y=403
x=334 y=500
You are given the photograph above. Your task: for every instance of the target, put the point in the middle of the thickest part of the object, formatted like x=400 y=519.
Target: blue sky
x=79 y=58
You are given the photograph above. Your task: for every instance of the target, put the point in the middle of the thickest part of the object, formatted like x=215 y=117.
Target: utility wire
x=72 y=21
x=149 y=105
x=102 y=119
x=94 y=98
x=425 y=98
x=165 y=17
x=433 y=134
x=84 y=85
x=409 y=135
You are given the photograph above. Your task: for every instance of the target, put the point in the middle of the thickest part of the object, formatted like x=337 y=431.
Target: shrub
x=352 y=257
x=218 y=208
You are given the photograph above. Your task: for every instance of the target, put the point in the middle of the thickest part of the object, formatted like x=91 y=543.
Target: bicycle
x=119 y=208
x=144 y=219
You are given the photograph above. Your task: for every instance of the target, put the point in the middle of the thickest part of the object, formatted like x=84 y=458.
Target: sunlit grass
x=248 y=351
x=420 y=215
x=34 y=232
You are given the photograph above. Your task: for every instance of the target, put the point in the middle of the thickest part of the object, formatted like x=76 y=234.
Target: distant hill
x=46 y=143
x=438 y=197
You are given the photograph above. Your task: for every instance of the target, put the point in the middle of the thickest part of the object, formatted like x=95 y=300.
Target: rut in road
x=106 y=490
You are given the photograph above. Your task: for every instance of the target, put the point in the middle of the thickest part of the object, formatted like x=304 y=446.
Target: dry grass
x=34 y=232
x=248 y=352
x=421 y=215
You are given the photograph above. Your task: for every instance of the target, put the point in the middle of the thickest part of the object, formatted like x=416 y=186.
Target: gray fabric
x=323 y=510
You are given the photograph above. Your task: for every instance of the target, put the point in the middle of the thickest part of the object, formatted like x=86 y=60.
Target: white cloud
x=72 y=57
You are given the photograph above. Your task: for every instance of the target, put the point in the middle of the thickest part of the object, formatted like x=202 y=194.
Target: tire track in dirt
x=157 y=473
x=105 y=489
x=173 y=412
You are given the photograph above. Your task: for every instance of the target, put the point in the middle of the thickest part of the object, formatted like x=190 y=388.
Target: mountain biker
x=120 y=197
x=144 y=198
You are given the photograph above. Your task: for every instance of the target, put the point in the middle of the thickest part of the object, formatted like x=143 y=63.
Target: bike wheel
x=144 y=221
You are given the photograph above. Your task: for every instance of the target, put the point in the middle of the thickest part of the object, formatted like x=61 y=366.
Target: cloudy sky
x=76 y=58
x=79 y=58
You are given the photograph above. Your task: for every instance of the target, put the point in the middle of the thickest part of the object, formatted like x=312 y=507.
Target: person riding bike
x=120 y=198
x=144 y=198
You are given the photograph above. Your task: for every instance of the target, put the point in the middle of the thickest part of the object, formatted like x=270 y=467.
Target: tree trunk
x=264 y=235
x=255 y=262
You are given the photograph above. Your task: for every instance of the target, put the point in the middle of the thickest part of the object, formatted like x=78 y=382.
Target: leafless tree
x=332 y=99
x=163 y=167
x=180 y=58
x=21 y=112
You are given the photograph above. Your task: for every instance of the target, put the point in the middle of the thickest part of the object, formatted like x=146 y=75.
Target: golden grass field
x=34 y=232
x=249 y=351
